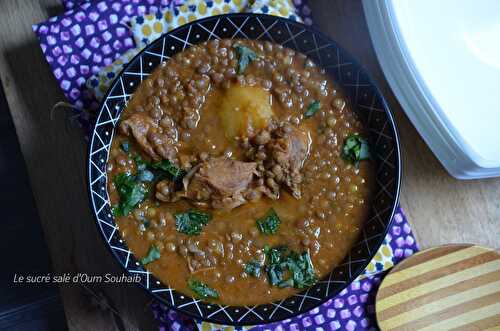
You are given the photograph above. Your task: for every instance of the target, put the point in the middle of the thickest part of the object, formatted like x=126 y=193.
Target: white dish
x=442 y=59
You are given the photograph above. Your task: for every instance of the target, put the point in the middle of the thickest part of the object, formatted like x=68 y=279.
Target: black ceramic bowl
x=365 y=99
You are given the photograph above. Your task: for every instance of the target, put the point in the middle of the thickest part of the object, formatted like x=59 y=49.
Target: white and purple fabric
x=85 y=39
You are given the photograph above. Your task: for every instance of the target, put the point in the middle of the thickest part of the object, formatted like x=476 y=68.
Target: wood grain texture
x=440 y=208
x=55 y=155
x=442 y=288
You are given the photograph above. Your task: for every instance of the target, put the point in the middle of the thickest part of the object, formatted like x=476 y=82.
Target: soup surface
x=238 y=173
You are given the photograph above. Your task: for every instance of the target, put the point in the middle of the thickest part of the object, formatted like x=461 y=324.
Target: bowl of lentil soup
x=246 y=167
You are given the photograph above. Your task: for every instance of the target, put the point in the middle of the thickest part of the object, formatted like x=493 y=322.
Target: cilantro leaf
x=245 y=56
x=312 y=109
x=153 y=255
x=125 y=146
x=131 y=192
x=274 y=274
x=191 y=222
x=298 y=266
x=145 y=176
x=285 y=283
x=275 y=255
x=355 y=149
x=253 y=268
x=302 y=270
x=140 y=163
x=270 y=223
x=202 y=290
x=174 y=172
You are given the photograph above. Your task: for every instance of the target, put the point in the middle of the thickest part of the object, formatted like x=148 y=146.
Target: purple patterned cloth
x=84 y=39
x=70 y=4
x=352 y=309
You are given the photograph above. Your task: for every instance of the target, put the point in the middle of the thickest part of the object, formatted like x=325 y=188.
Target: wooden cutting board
x=451 y=287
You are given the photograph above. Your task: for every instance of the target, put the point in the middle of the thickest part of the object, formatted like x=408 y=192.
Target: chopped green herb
x=245 y=56
x=270 y=223
x=253 y=268
x=274 y=274
x=131 y=192
x=274 y=258
x=191 y=222
x=202 y=290
x=276 y=254
x=302 y=270
x=355 y=149
x=174 y=172
x=286 y=283
x=298 y=266
x=145 y=176
x=140 y=163
x=153 y=255
x=125 y=146
x=312 y=109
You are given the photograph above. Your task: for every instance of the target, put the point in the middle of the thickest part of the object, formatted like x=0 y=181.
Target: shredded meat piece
x=289 y=151
x=154 y=140
x=280 y=153
x=221 y=182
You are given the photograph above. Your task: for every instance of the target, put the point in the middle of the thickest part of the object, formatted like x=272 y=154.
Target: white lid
x=448 y=53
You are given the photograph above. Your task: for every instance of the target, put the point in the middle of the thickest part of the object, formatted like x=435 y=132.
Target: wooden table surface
x=440 y=208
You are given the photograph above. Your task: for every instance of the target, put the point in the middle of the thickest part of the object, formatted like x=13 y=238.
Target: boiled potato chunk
x=245 y=110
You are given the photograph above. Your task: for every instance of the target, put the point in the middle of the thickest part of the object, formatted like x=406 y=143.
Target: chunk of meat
x=220 y=182
x=291 y=149
x=280 y=153
x=227 y=176
x=153 y=139
x=289 y=152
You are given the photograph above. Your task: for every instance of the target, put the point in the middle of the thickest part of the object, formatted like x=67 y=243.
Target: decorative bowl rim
x=395 y=199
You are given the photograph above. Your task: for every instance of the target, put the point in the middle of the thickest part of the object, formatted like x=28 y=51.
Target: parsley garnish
x=125 y=146
x=312 y=109
x=174 y=172
x=191 y=222
x=355 y=149
x=145 y=176
x=253 y=268
x=274 y=274
x=131 y=191
x=302 y=270
x=140 y=163
x=275 y=254
x=153 y=255
x=299 y=266
x=202 y=290
x=245 y=56
x=274 y=269
x=269 y=223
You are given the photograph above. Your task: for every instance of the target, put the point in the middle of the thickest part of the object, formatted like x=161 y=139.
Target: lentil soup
x=238 y=172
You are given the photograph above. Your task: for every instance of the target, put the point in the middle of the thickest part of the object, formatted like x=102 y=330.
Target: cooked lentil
x=278 y=129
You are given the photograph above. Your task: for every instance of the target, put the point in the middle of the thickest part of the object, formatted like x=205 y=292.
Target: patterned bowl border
x=365 y=99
